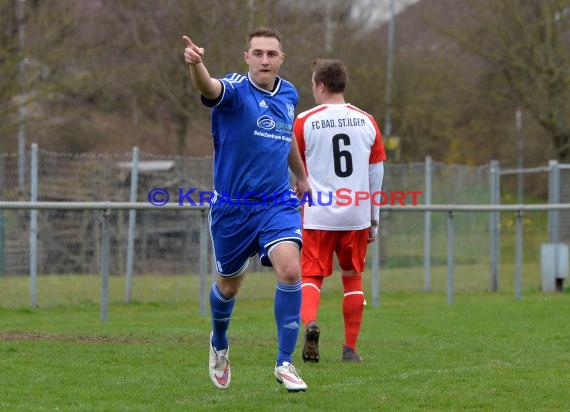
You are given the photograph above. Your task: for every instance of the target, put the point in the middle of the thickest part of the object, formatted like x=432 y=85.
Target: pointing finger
x=188 y=41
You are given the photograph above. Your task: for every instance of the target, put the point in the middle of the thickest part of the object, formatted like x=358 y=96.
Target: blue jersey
x=252 y=129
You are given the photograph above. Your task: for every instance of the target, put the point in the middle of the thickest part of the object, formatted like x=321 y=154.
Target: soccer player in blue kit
x=252 y=123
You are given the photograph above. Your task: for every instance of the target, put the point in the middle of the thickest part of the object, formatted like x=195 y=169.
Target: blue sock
x=287 y=309
x=221 y=309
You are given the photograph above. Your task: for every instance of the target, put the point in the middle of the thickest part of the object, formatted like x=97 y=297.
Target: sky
x=379 y=10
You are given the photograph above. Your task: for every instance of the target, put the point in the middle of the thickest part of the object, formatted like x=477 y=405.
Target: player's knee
x=228 y=288
x=289 y=273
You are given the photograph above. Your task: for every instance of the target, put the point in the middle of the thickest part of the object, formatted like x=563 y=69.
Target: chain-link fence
x=68 y=240
x=167 y=242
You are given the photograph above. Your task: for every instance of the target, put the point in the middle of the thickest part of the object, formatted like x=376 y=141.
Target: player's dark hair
x=332 y=73
x=264 y=32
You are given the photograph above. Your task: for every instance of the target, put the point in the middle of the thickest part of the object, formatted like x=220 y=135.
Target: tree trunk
x=181 y=125
x=562 y=146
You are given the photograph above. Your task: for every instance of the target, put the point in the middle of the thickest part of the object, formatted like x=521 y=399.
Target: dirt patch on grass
x=18 y=336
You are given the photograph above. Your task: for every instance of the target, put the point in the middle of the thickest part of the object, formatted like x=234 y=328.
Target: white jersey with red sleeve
x=337 y=143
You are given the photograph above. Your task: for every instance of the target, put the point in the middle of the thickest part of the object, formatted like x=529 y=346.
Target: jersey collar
x=275 y=89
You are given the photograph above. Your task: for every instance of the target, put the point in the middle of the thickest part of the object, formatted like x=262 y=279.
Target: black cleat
x=349 y=355
x=311 y=347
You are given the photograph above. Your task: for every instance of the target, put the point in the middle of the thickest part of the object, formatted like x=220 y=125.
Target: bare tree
x=121 y=62
x=48 y=68
x=9 y=60
x=527 y=44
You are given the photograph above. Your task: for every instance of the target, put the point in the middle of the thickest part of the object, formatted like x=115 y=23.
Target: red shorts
x=318 y=246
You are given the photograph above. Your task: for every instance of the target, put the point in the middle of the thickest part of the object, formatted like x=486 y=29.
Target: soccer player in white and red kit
x=342 y=149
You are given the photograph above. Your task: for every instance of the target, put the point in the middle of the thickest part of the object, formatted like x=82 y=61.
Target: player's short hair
x=264 y=32
x=332 y=73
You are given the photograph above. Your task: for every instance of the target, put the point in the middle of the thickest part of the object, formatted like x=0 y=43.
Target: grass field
x=487 y=351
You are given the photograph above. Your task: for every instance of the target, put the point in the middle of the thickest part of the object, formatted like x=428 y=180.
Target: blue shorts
x=240 y=230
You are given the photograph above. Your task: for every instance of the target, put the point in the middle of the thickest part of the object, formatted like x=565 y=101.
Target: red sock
x=311 y=297
x=352 y=308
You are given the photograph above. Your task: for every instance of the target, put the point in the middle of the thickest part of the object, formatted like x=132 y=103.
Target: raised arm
x=193 y=55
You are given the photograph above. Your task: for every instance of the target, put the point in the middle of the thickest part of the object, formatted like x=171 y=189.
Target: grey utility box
x=553 y=266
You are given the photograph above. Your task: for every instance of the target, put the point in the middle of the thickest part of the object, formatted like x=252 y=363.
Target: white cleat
x=289 y=377
x=219 y=367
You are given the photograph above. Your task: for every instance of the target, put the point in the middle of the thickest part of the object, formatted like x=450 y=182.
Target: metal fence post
x=520 y=153
x=203 y=260
x=2 y=243
x=494 y=226
x=132 y=226
x=427 y=224
x=450 y=257
x=518 y=254
x=34 y=228
x=551 y=200
x=376 y=267
x=376 y=271
x=2 y=233
x=105 y=257
x=553 y=215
